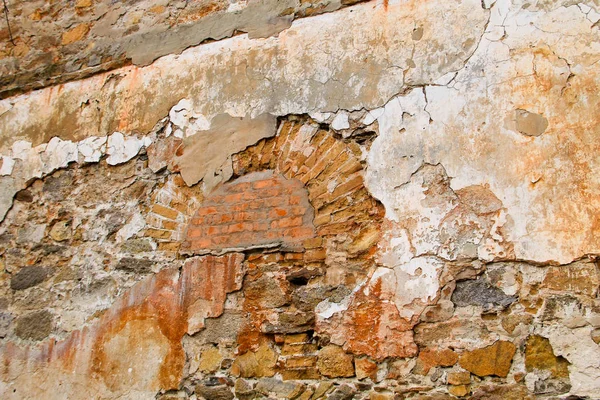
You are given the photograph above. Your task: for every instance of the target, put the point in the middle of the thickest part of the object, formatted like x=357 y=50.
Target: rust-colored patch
x=155 y=309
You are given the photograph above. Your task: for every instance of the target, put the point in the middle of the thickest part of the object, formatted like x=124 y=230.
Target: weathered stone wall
x=224 y=199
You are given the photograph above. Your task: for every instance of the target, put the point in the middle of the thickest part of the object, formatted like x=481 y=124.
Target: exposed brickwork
x=172 y=207
x=257 y=210
x=347 y=222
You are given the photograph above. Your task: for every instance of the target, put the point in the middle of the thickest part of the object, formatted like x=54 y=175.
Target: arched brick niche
x=299 y=210
x=258 y=210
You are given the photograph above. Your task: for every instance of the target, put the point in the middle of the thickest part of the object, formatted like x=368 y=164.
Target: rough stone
x=580 y=277
x=530 y=124
x=539 y=355
x=222 y=330
x=501 y=392
x=215 y=392
x=441 y=311
x=5 y=323
x=358 y=172
x=28 y=277
x=35 y=326
x=285 y=390
x=547 y=372
x=343 y=392
x=60 y=231
x=492 y=360
x=429 y=358
x=137 y=265
x=244 y=389
x=210 y=360
x=479 y=292
x=365 y=368
x=333 y=362
x=255 y=364
x=459 y=378
x=458 y=390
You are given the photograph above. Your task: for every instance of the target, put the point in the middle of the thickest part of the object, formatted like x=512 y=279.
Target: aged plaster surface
x=301 y=70
x=46 y=43
x=485 y=161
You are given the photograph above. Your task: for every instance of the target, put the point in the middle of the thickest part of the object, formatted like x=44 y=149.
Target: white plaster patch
x=577 y=346
x=58 y=154
x=7 y=165
x=340 y=121
x=121 y=149
x=92 y=149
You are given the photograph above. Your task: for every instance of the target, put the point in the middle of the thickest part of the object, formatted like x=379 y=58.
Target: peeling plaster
x=300 y=71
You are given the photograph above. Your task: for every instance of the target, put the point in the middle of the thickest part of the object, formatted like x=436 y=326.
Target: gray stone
x=222 y=329
x=28 y=277
x=36 y=325
x=285 y=390
x=551 y=386
x=306 y=298
x=291 y=322
x=137 y=265
x=479 y=292
x=343 y=392
x=243 y=389
x=216 y=392
x=5 y=320
x=33 y=233
x=138 y=245
x=114 y=220
x=58 y=185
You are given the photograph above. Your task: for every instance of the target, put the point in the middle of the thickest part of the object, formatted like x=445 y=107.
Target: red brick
x=197 y=220
x=213 y=230
x=239 y=187
x=233 y=198
x=225 y=218
x=269 y=213
x=206 y=211
x=294 y=200
x=264 y=184
x=297 y=211
x=260 y=226
x=203 y=243
x=241 y=207
x=278 y=212
x=299 y=232
x=251 y=195
x=287 y=222
x=194 y=232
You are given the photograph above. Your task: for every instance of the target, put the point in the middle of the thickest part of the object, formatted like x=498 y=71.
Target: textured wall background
x=300 y=199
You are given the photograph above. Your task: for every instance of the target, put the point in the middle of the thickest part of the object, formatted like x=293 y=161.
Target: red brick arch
x=258 y=210
x=302 y=183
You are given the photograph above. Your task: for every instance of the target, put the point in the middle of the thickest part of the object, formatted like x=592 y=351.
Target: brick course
x=261 y=209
